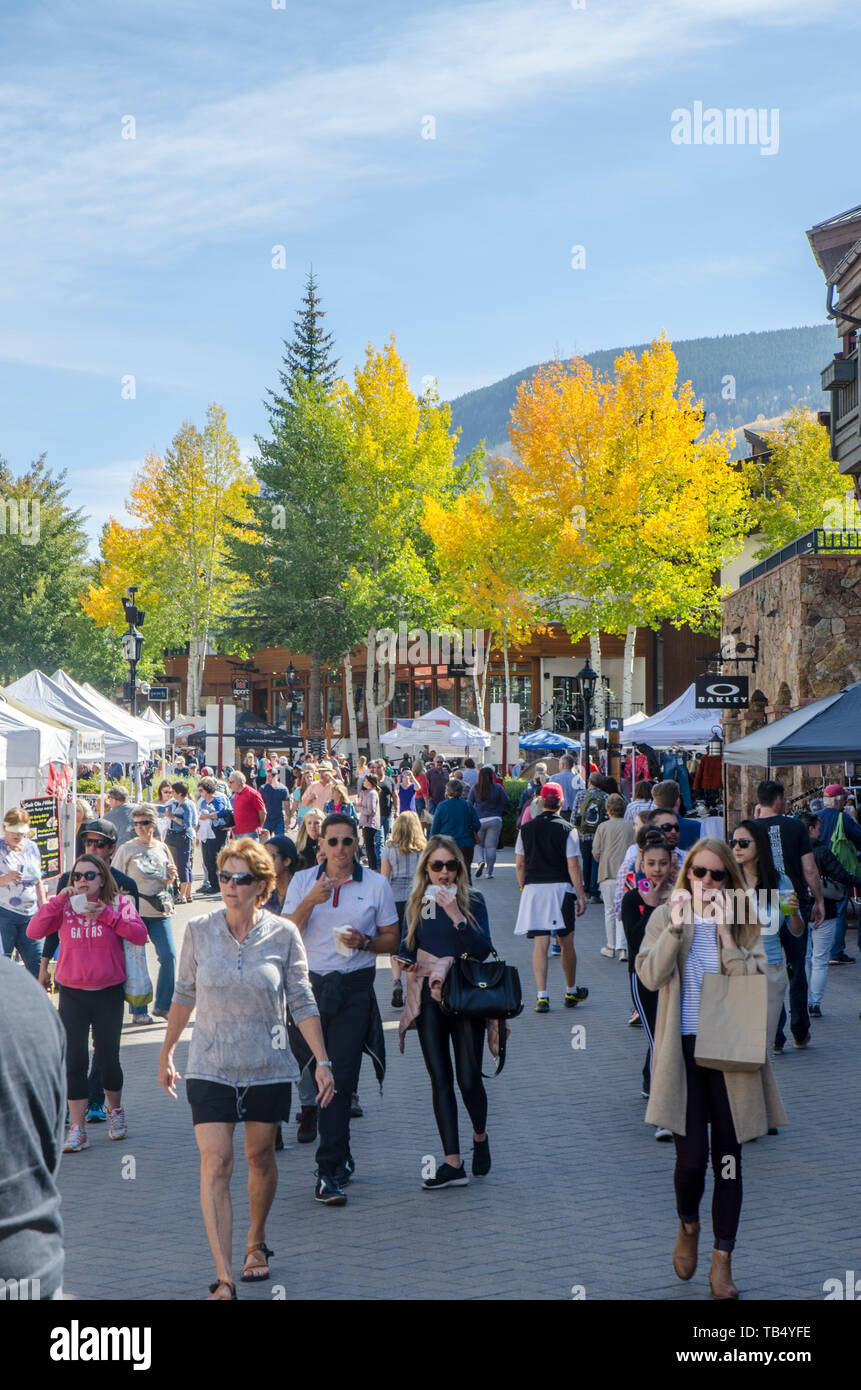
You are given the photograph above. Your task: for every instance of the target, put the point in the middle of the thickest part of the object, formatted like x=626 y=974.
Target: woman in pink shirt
x=92 y=917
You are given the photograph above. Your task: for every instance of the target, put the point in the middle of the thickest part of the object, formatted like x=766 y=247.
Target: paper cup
x=340 y=947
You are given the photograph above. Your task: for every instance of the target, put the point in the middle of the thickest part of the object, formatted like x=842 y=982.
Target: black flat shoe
x=446 y=1176
x=480 y=1158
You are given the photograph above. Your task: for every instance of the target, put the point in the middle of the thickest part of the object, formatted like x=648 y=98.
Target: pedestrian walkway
x=579 y=1201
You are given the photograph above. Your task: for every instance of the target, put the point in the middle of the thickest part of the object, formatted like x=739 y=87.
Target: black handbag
x=483 y=990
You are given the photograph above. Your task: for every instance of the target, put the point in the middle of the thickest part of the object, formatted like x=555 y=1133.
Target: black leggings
x=368 y=834
x=103 y=1010
x=436 y=1030
x=708 y=1104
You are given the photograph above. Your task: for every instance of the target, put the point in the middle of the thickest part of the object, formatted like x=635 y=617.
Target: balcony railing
x=814 y=542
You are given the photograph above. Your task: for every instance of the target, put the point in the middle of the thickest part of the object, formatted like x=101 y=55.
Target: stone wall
x=807 y=613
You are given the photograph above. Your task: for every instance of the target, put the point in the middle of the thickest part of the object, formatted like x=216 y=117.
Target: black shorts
x=213 y=1103
x=563 y=931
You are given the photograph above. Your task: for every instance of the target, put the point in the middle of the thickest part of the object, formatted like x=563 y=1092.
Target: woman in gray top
x=241 y=967
x=491 y=802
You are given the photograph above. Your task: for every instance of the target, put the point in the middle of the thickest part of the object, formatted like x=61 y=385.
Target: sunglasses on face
x=740 y=844
x=437 y=865
x=141 y=822
x=671 y=828
x=347 y=840
x=716 y=875
x=86 y=876
x=240 y=880
x=97 y=844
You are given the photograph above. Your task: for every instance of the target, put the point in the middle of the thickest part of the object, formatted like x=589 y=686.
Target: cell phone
x=404 y=960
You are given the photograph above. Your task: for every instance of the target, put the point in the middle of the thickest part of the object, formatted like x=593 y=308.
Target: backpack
x=592 y=811
x=842 y=847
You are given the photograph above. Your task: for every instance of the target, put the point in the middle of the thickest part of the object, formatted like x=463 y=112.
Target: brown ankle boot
x=685 y=1253
x=720 y=1276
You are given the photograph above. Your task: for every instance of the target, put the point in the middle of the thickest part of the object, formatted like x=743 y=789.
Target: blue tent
x=545 y=741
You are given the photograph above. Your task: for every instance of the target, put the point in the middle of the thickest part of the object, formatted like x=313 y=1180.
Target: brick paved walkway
x=579 y=1194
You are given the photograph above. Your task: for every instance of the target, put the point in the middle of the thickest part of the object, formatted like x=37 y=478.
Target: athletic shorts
x=214 y=1103
x=563 y=931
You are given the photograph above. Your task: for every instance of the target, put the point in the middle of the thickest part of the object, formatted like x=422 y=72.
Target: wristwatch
x=327 y=1063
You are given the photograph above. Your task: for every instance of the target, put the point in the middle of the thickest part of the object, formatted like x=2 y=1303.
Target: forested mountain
x=771 y=372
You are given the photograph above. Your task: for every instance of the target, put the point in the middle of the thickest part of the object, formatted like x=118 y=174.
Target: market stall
x=440 y=730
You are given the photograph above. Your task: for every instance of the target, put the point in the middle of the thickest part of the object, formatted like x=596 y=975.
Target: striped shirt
x=703 y=959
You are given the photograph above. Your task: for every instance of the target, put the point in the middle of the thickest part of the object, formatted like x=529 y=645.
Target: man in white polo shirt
x=341 y=894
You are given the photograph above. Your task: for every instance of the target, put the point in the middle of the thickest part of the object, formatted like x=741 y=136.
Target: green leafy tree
x=798 y=487
x=43 y=567
x=308 y=355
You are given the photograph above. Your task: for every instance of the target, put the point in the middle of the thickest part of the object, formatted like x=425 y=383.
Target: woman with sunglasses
x=241 y=968
x=151 y=866
x=92 y=919
x=751 y=848
x=308 y=839
x=704 y=929
x=638 y=904
x=445 y=919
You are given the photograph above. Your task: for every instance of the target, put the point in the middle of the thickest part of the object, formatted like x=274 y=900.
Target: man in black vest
x=550 y=874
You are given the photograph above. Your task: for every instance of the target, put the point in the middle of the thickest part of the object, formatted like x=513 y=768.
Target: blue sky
x=258 y=127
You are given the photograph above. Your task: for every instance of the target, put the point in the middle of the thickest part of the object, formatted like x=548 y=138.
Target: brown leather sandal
x=221 y=1284
x=258 y=1272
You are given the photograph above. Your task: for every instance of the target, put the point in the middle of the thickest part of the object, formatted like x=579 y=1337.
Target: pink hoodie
x=91 y=949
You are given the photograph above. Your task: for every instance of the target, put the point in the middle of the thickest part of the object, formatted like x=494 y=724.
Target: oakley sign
x=718 y=692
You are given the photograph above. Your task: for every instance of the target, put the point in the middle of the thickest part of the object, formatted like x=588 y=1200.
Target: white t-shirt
x=364 y=902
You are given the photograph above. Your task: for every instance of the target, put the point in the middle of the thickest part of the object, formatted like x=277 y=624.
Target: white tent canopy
x=139 y=727
x=630 y=731
x=679 y=723
x=31 y=744
x=150 y=716
x=440 y=729
x=73 y=707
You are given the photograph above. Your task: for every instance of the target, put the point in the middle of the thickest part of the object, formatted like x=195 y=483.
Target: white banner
x=91 y=744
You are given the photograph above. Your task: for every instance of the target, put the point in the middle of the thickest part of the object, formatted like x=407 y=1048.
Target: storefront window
x=333 y=703
x=466 y=706
x=445 y=692
x=359 y=703
x=400 y=706
x=422 y=696
x=519 y=686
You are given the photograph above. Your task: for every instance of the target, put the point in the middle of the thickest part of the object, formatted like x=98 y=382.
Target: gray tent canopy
x=827 y=731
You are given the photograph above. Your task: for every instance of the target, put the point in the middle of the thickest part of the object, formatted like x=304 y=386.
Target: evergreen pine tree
x=308 y=354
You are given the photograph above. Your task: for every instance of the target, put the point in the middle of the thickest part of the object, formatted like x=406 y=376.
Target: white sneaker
x=76 y=1139
x=608 y=951
x=663 y=1136
x=117 y=1123
x=623 y=955
x=141 y=1020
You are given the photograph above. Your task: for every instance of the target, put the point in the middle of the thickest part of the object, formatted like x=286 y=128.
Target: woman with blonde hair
x=444 y=919
x=308 y=838
x=21 y=888
x=241 y=968
x=400 y=861
x=709 y=926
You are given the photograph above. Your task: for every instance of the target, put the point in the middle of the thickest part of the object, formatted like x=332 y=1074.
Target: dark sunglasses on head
x=346 y=840
x=85 y=876
x=717 y=875
x=670 y=827
x=740 y=844
x=239 y=879
x=439 y=864
x=97 y=844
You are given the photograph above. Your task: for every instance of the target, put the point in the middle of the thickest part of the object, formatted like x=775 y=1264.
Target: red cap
x=551 y=791
x=835 y=789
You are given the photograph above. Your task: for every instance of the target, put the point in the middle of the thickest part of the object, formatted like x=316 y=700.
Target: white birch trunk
x=352 y=722
x=628 y=670
x=374 y=706
x=595 y=659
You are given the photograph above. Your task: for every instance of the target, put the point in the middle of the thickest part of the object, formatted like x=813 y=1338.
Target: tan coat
x=753 y=1095
x=613 y=839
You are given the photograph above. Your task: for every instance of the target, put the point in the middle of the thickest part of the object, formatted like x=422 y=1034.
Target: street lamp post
x=290 y=673
x=132 y=641
x=586 y=680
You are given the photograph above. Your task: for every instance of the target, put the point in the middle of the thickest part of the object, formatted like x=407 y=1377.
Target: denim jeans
x=381 y=836
x=161 y=936
x=13 y=932
x=795 y=952
x=488 y=841
x=839 y=942
x=819 y=946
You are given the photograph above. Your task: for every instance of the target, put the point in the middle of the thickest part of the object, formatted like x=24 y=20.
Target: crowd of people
x=318 y=870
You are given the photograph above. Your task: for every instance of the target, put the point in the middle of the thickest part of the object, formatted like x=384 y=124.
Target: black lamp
x=586 y=680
